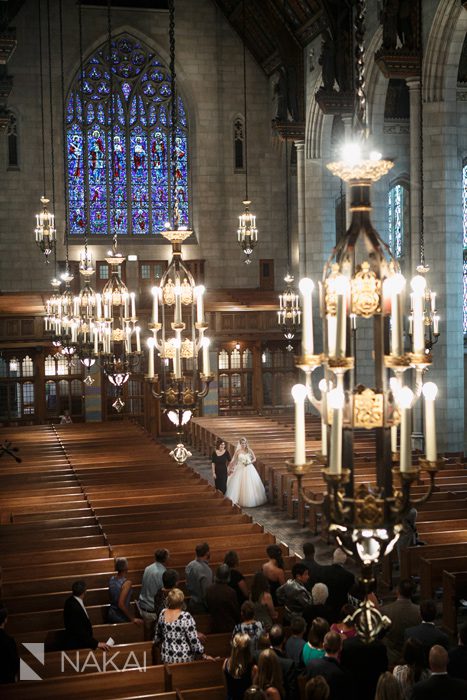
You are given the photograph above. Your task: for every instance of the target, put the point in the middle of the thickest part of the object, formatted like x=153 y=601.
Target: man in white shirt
x=152 y=582
x=78 y=627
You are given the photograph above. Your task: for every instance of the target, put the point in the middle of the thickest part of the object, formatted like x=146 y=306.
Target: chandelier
x=362 y=279
x=179 y=329
x=247 y=233
x=44 y=231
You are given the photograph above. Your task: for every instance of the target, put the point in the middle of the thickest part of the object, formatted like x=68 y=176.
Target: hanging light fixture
x=362 y=278
x=45 y=233
x=288 y=315
x=181 y=323
x=247 y=233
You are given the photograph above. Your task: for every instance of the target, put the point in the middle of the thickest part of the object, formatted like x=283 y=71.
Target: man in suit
x=457 y=665
x=288 y=667
x=316 y=570
x=426 y=632
x=339 y=582
x=440 y=685
x=78 y=627
x=329 y=667
x=222 y=602
x=9 y=659
x=364 y=663
x=402 y=613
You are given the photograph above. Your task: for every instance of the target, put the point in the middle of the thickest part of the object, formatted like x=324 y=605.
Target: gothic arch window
x=398 y=203
x=138 y=204
x=239 y=143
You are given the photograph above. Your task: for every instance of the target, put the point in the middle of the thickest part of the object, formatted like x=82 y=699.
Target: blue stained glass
x=97 y=180
x=396 y=204
x=134 y=194
x=464 y=209
x=126 y=89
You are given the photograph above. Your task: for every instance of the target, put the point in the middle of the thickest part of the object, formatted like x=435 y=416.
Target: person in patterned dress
x=176 y=632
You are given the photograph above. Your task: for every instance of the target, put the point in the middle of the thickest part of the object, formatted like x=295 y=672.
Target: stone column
x=413 y=250
x=300 y=146
x=347 y=137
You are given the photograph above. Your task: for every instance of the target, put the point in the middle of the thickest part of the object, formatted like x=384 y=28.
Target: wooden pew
x=454 y=588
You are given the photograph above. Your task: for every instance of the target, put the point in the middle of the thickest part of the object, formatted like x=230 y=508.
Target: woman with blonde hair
x=238 y=667
x=267 y=675
x=176 y=632
x=388 y=688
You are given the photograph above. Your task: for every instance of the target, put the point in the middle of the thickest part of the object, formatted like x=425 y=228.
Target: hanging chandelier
x=44 y=231
x=179 y=326
x=362 y=279
x=247 y=233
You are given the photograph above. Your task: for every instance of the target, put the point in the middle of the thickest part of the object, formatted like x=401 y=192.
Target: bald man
x=439 y=685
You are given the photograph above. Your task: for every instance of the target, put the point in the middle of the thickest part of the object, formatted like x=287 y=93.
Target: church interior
x=233 y=310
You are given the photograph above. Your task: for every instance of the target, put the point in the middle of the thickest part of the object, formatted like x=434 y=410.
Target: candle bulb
x=393 y=438
x=177 y=361
x=98 y=306
x=155 y=304
x=299 y=394
x=128 y=340
x=429 y=395
x=206 y=362
x=404 y=399
x=150 y=358
x=138 y=339
x=336 y=401
x=418 y=285
x=306 y=287
x=200 y=304
x=341 y=286
x=133 y=304
x=178 y=305
x=126 y=304
x=396 y=286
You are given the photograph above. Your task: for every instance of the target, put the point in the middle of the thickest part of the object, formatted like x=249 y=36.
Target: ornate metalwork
x=368 y=409
x=365 y=292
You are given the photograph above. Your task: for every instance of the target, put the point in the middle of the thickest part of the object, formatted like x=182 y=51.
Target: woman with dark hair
x=237 y=579
x=273 y=569
x=219 y=460
x=238 y=667
x=248 y=625
x=262 y=600
x=267 y=675
x=313 y=649
x=345 y=629
x=317 y=688
x=414 y=669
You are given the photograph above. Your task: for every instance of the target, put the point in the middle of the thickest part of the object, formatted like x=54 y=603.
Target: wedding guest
x=313 y=649
x=413 y=669
x=317 y=571
x=9 y=658
x=78 y=627
x=388 y=688
x=439 y=686
x=457 y=665
x=317 y=688
x=273 y=569
x=238 y=668
x=198 y=577
x=237 y=579
x=345 y=629
x=267 y=675
x=329 y=667
x=426 y=632
x=261 y=598
x=403 y=613
x=220 y=459
x=176 y=632
x=120 y=591
x=295 y=643
x=170 y=579
x=294 y=596
x=249 y=625
x=150 y=585
x=222 y=602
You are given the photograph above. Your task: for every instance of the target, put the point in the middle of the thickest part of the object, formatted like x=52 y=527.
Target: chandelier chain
x=84 y=156
x=41 y=71
x=62 y=86
x=422 y=195
x=361 y=126
x=173 y=114
x=52 y=139
x=244 y=99
x=111 y=117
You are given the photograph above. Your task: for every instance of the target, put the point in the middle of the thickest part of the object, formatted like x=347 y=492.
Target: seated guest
x=273 y=569
x=261 y=598
x=150 y=585
x=9 y=658
x=316 y=571
x=295 y=643
x=440 y=686
x=414 y=668
x=364 y=663
x=314 y=649
x=248 y=625
x=457 y=665
x=317 y=688
x=170 y=579
x=238 y=668
x=388 y=688
x=222 y=603
x=237 y=580
x=176 y=632
x=120 y=595
x=339 y=582
x=345 y=629
x=78 y=628
x=267 y=675
x=198 y=577
x=294 y=596
x=426 y=632
x=329 y=667
x=403 y=614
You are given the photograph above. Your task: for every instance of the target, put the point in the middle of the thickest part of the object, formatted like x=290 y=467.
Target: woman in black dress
x=220 y=459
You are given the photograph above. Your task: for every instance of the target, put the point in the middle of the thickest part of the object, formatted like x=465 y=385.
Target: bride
x=244 y=485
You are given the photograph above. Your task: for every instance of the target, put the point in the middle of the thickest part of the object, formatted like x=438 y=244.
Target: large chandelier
x=362 y=279
x=179 y=326
x=247 y=233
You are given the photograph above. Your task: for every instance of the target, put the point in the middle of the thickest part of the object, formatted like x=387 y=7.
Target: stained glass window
x=396 y=215
x=464 y=206
x=134 y=195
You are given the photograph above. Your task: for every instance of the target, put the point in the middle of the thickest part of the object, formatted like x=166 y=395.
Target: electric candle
x=150 y=358
x=206 y=363
x=323 y=386
x=306 y=287
x=138 y=339
x=429 y=394
x=336 y=401
x=177 y=360
x=200 y=304
x=133 y=304
x=178 y=305
x=418 y=285
x=404 y=399
x=396 y=285
x=341 y=286
x=299 y=393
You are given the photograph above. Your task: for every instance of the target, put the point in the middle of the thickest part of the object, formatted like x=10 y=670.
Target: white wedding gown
x=244 y=486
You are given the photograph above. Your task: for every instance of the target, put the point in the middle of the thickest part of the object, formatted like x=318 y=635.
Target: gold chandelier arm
x=316 y=403
x=308 y=499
